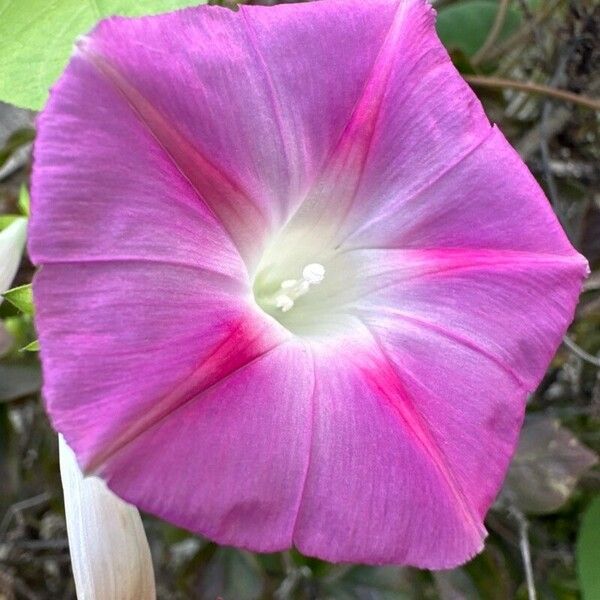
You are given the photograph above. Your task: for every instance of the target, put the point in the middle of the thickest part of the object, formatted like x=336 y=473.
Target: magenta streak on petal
x=229 y=463
x=470 y=206
x=331 y=197
x=459 y=339
x=245 y=343
x=220 y=192
x=440 y=261
x=386 y=381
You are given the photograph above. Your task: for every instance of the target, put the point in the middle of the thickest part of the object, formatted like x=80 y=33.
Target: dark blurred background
x=536 y=67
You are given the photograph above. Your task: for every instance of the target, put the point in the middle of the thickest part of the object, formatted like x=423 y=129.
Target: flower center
x=292 y=289
x=300 y=290
x=283 y=299
x=305 y=283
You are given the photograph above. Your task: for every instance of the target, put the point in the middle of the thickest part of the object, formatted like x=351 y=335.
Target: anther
x=314 y=273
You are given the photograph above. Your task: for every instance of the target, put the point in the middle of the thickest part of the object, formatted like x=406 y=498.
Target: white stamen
x=293 y=289
x=288 y=284
x=302 y=288
x=284 y=302
x=313 y=273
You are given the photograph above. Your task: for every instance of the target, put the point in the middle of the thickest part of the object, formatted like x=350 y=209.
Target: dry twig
x=580 y=352
x=525 y=550
x=533 y=88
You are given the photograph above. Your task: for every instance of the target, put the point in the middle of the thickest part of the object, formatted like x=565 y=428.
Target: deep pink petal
x=458 y=338
x=249 y=104
x=486 y=200
x=104 y=190
x=125 y=344
x=230 y=462
x=439 y=117
x=511 y=306
x=382 y=486
x=470 y=406
x=414 y=118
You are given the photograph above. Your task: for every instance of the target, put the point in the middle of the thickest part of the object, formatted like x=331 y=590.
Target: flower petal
x=134 y=342
x=230 y=462
x=12 y=242
x=487 y=199
x=425 y=417
x=103 y=190
x=439 y=117
x=110 y=556
x=380 y=487
x=414 y=117
x=511 y=306
x=458 y=339
x=249 y=104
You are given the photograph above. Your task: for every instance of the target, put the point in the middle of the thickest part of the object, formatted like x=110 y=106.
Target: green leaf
x=465 y=25
x=36 y=39
x=588 y=543
x=19 y=328
x=22 y=298
x=24 y=200
x=33 y=347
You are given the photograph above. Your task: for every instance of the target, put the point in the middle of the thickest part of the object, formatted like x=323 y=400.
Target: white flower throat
x=297 y=302
x=304 y=282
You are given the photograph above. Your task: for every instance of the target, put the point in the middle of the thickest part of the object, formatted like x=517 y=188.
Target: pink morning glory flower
x=295 y=287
